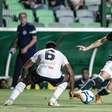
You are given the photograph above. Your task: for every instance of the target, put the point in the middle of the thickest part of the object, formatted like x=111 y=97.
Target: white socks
x=17 y=91
x=59 y=90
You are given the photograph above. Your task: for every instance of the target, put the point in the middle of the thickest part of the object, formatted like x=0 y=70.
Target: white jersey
x=50 y=62
x=108 y=68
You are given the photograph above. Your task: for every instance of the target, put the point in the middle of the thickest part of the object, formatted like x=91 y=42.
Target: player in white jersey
x=49 y=62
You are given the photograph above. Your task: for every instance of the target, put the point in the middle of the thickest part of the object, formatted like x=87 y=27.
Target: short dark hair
x=86 y=68
x=22 y=13
x=51 y=44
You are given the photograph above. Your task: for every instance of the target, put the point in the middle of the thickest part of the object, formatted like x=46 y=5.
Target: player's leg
x=104 y=74
x=97 y=81
x=18 y=66
x=18 y=90
x=58 y=91
x=103 y=92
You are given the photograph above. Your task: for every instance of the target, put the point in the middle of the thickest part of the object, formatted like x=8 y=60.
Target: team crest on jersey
x=24 y=32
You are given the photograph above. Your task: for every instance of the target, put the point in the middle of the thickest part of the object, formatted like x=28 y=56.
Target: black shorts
x=37 y=79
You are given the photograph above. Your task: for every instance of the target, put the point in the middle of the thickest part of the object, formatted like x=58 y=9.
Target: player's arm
x=70 y=73
x=14 y=46
x=96 y=44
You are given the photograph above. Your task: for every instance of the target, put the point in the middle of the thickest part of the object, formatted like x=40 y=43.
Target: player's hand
x=24 y=50
x=13 y=50
x=82 y=48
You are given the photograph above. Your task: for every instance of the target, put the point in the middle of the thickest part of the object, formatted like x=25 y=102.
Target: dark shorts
x=37 y=79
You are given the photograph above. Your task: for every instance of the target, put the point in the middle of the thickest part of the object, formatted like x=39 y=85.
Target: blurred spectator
x=85 y=77
x=3 y=84
x=5 y=4
x=32 y=4
x=56 y=4
x=109 y=1
x=76 y=4
x=3 y=23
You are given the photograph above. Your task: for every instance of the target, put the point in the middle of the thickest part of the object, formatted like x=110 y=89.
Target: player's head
x=23 y=18
x=51 y=44
x=85 y=73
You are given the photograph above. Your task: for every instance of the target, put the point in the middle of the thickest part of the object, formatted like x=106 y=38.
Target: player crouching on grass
x=49 y=62
x=105 y=74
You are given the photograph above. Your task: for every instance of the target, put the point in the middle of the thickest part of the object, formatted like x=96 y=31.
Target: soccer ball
x=87 y=96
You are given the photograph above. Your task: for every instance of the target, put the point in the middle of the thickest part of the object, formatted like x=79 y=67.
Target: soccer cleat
x=98 y=99
x=53 y=104
x=8 y=102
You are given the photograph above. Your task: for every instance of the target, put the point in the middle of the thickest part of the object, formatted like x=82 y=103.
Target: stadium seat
x=93 y=8
x=94 y=25
x=46 y=20
x=86 y=20
x=60 y=25
x=110 y=25
x=38 y=24
x=66 y=20
x=10 y=22
x=76 y=25
x=61 y=13
x=92 y=2
x=10 y=2
x=7 y=12
x=84 y=13
x=45 y=16
x=44 y=13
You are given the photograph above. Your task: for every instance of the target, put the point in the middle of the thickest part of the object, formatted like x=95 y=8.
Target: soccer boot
x=53 y=104
x=8 y=102
x=98 y=99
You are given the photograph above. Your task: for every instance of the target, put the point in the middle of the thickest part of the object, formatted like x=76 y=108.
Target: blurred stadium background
x=58 y=13
x=67 y=42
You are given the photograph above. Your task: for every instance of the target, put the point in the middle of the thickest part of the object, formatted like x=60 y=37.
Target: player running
x=49 y=62
x=105 y=74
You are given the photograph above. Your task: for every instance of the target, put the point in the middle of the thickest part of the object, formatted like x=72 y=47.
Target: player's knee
x=104 y=75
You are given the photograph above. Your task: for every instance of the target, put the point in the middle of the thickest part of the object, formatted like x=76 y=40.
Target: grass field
x=36 y=101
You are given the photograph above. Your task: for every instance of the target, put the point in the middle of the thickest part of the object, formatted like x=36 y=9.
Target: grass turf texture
x=36 y=101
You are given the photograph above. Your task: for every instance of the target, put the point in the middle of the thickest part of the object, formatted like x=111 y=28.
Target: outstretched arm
x=96 y=44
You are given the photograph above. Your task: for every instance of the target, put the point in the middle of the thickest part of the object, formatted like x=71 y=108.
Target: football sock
x=97 y=82
x=17 y=91
x=103 y=92
x=59 y=90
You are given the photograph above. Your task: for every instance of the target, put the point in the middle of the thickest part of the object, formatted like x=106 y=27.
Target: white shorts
x=108 y=68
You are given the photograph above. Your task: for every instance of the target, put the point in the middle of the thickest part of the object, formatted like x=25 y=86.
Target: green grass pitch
x=36 y=101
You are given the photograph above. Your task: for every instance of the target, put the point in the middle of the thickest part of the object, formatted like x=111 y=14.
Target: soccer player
x=105 y=74
x=84 y=78
x=49 y=62
x=25 y=42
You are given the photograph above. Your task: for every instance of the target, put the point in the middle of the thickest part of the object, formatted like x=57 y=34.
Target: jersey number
x=49 y=55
